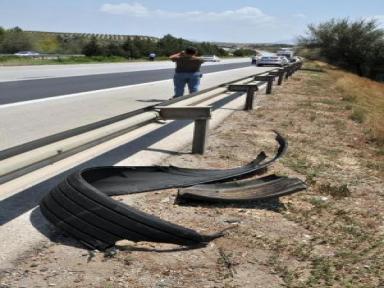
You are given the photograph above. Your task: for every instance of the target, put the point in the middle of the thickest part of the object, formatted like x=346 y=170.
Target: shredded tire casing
x=81 y=204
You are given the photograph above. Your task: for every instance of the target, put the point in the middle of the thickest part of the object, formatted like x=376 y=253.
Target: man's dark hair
x=191 y=51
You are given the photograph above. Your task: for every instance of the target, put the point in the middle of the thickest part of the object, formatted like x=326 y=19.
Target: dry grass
x=367 y=101
x=341 y=210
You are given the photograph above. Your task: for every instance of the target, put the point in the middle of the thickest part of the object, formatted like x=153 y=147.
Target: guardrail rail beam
x=250 y=89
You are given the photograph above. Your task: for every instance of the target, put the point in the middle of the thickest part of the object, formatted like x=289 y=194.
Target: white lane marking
x=78 y=94
x=93 y=92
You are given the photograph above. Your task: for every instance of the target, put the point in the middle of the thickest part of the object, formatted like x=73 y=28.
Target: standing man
x=187 y=71
x=151 y=56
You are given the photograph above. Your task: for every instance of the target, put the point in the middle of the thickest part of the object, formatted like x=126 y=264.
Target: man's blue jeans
x=191 y=79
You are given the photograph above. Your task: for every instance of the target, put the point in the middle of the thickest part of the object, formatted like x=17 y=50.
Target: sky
x=242 y=21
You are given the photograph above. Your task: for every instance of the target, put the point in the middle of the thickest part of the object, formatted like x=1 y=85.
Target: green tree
x=112 y=49
x=15 y=40
x=169 y=45
x=244 y=52
x=92 y=48
x=47 y=43
x=2 y=34
x=352 y=45
x=70 y=44
x=131 y=50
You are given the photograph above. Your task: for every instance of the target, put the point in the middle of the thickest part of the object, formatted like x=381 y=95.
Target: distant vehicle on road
x=210 y=58
x=27 y=53
x=286 y=52
x=272 y=61
x=254 y=59
x=285 y=60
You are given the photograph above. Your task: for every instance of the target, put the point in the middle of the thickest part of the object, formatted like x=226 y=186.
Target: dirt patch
x=331 y=235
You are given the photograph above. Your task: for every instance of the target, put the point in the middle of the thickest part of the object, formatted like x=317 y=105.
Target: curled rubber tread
x=80 y=205
x=143 y=222
x=111 y=212
x=78 y=223
x=243 y=191
x=93 y=219
x=82 y=237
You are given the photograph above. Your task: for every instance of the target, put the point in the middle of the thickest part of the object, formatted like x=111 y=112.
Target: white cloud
x=300 y=15
x=134 y=9
x=251 y=15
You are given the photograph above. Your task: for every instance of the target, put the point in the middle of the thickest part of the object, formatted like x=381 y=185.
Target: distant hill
x=115 y=37
x=122 y=38
x=251 y=45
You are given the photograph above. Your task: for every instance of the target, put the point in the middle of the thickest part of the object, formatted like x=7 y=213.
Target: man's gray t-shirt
x=188 y=64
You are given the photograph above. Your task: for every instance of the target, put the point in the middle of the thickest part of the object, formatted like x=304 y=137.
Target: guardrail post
x=270 y=80
x=291 y=69
x=278 y=73
x=281 y=76
x=200 y=135
x=250 y=89
x=250 y=98
x=286 y=71
x=200 y=115
x=266 y=78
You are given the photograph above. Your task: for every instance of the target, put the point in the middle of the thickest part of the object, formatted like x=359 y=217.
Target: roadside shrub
x=357 y=46
x=15 y=40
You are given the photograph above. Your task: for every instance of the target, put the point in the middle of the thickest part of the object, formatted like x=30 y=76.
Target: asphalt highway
x=26 y=90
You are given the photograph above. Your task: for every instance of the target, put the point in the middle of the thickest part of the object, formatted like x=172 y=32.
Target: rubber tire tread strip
x=85 y=210
x=141 y=219
x=271 y=186
x=86 y=239
x=131 y=224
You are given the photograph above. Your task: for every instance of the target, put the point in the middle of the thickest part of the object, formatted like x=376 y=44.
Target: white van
x=286 y=52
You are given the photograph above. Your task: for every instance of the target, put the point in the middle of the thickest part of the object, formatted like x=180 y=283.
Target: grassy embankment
x=336 y=128
x=362 y=96
x=366 y=98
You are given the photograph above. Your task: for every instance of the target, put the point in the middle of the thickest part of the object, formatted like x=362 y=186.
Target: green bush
x=357 y=46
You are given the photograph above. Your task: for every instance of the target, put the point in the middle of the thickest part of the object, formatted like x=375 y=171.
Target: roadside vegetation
x=338 y=147
x=83 y=48
x=357 y=46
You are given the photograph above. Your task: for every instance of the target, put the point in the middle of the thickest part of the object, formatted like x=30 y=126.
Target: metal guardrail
x=19 y=160
x=22 y=148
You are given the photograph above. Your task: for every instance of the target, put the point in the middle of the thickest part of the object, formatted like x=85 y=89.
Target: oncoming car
x=27 y=53
x=271 y=61
x=210 y=58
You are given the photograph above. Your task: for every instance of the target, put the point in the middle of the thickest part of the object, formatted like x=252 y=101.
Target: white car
x=27 y=53
x=285 y=60
x=210 y=58
x=272 y=61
